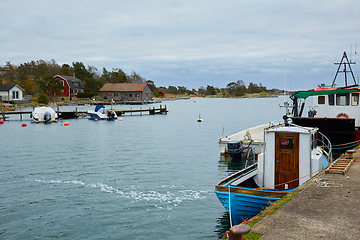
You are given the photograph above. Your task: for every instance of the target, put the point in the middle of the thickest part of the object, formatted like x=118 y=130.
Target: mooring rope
x=230 y=209
x=329 y=184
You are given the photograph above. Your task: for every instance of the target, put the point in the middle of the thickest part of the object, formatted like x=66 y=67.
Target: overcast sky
x=188 y=43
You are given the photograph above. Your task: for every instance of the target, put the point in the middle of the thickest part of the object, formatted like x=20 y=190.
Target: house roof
x=123 y=87
x=9 y=87
x=71 y=81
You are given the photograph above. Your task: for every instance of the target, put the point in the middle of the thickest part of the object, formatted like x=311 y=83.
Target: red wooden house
x=72 y=86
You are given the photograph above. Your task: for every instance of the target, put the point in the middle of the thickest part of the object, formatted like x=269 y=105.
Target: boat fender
x=342 y=115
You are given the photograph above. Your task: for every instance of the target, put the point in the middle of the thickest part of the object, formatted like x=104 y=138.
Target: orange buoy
x=342 y=115
x=96 y=119
x=194 y=101
x=24 y=125
x=120 y=119
x=1 y=121
x=66 y=123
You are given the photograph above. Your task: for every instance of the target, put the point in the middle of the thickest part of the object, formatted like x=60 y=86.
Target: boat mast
x=347 y=63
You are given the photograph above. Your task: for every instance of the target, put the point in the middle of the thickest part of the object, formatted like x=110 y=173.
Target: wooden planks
x=340 y=165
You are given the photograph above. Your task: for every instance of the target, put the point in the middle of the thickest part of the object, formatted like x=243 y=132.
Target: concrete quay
x=319 y=212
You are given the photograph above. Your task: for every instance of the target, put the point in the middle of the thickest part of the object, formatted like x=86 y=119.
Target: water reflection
x=222 y=225
x=226 y=164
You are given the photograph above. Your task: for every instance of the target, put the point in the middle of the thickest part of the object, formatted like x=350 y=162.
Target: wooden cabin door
x=286 y=160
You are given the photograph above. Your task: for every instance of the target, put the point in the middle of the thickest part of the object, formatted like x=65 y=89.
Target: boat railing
x=326 y=144
x=250 y=155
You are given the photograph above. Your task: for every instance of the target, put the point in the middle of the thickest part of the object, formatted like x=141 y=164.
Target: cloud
x=187 y=43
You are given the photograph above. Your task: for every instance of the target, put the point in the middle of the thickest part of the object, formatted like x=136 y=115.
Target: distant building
x=161 y=93
x=126 y=92
x=11 y=93
x=72 y=86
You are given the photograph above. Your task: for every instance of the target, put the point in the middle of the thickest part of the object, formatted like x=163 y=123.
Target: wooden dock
x=69 y=114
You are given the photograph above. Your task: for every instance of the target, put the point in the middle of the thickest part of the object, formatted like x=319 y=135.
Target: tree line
x=38 y=77
x=233 y=89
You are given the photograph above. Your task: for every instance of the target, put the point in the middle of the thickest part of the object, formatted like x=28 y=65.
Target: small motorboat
x=101 y=113
x=254 y=137
x=44 y=115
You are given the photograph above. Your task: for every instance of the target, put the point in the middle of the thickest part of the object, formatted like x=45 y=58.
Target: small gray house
x=11 y=93
x=126 y=92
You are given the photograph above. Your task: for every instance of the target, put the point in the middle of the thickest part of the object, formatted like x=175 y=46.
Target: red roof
x=123 y=87
x=334 y=88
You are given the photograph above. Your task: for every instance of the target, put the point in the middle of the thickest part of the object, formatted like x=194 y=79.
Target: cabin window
x=332 y=99
x=342 y=99
x=286 y=143
x=355 y=99
x=321 y=100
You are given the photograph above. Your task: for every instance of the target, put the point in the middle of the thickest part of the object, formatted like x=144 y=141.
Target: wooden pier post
x=58 y=111
x=76 y=113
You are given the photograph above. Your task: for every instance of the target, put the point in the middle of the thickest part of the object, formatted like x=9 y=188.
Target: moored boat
x=290 y=158
x=334 y=110
x=252 y=137
x=101 y=113
x=44 y=115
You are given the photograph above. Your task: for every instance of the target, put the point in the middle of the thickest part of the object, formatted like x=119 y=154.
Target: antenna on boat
x=285 y=81
x=346 y=62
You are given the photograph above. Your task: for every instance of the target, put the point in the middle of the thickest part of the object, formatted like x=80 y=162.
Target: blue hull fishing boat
x=101 y=113
x=291 y=156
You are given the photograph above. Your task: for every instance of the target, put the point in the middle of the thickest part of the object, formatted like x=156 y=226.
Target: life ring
x=340 y=115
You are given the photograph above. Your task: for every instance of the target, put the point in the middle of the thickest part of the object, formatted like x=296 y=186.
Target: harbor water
x=145 y=177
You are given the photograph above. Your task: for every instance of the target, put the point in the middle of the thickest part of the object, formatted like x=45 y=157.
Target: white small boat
x=254 y=137
x=44 y=115
x=290 y=158
x=101 y=113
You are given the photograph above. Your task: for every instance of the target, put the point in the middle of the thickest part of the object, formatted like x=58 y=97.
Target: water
x=146 y=177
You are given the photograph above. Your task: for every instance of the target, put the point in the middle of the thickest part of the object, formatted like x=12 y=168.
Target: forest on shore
x=38 y=76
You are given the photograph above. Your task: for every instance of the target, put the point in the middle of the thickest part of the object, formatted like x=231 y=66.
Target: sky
x=278 y=43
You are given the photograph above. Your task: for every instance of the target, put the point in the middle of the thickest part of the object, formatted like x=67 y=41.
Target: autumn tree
x=136 y=78
x=115 y=76
x=66 y=70
x=210 y=90
x=151 y=84
x=50 y=85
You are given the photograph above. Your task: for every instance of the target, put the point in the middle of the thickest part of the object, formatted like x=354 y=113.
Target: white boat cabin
x=338 y=104
x=332 y=101
x=291 y=157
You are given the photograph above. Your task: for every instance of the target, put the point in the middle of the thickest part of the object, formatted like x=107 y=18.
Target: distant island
x=37 y=79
